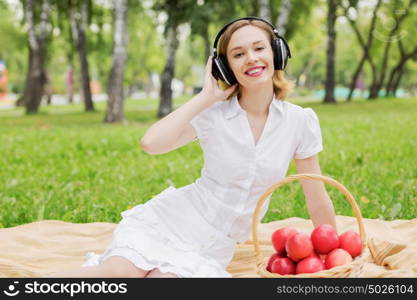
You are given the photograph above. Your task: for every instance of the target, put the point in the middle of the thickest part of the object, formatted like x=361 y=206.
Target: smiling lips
x=255 y=71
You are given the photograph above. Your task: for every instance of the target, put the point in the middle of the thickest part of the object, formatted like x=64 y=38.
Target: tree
x=78 y=12
x=165 y=105
x=145 y=52
x=407 y=50
x=211 y=12
x=37 y=16
x=397 y=72
x=289 y=20
x=115 y=84
x=330 y=52
x=371 y=48
x=265 y=9
x=178 y=12
x=365 y=45
x=284 y=14
x=13 y=50
x=378 y=81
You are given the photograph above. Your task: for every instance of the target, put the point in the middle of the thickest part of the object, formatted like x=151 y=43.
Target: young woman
x=249 y=135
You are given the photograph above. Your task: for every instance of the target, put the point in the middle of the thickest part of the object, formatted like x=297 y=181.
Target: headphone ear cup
x=215 y=69
x=221 y=70
x=280 y=54
x=228 y=73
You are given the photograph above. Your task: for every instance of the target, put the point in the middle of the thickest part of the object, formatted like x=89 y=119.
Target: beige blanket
x=35 y=249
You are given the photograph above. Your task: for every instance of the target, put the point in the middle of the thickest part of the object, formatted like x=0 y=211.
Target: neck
x=256 y=101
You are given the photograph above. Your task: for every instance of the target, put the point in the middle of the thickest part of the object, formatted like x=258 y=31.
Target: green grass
x=66 y=164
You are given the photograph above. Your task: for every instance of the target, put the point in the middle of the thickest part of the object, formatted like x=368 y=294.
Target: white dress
x=192 y=231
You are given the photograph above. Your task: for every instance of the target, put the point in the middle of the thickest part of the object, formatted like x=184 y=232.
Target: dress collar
x=233 y=108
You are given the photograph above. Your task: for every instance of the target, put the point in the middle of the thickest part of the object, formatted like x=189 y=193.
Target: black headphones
x=221 y=69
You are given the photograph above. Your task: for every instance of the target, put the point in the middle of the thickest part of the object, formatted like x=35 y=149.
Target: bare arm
x=319 y=204
x=174 y=130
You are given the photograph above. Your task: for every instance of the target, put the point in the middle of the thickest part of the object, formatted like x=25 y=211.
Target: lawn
x=66 y=164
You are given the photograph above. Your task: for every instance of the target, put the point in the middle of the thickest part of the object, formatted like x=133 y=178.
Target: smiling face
x=250 y=57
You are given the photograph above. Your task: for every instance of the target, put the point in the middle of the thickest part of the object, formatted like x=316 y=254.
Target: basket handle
x=291 y=178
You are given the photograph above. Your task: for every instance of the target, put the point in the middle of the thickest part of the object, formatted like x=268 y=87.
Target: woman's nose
x=252 y=57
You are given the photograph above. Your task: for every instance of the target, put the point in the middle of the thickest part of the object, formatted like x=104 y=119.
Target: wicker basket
x=339 y=271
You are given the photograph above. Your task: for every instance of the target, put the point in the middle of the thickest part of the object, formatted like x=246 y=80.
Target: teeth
x=254 y=71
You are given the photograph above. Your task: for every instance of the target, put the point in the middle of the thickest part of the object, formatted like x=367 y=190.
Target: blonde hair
x=282 y=86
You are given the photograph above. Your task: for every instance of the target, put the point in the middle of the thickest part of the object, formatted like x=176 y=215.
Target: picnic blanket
x=39 y=248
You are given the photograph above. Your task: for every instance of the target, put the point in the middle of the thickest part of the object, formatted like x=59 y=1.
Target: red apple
x=283 y=266
x=337 y=257
x=324 y=238
x=279 y=238
x=299 y=246
x=351 y=242
x=310 y=264
x=271 y=260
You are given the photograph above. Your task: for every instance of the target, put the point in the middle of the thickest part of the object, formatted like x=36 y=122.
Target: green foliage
x=146 y=53
x=146 y=44
x=13 y=48
x=67 y=165
x=177 y=11
x=299 y=16
x=308 y=50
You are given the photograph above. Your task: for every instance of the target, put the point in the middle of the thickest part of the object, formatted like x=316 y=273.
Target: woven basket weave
x=339 y=271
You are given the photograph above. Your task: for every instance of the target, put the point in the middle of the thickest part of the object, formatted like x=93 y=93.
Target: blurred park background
x=82 y=80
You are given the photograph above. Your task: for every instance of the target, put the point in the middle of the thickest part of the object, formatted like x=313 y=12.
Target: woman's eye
x=237 y=55
x=260 y=48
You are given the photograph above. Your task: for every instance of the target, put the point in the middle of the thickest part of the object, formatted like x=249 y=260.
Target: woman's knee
x=122 y=267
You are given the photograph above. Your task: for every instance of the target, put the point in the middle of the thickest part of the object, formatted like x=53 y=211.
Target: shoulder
x=300 y=113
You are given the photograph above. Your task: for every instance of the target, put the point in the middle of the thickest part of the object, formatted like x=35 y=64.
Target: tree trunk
x=356 y=76
x=389 y=89
x=48 y=88
x=115 y=84
x=391 y=38
x=398 y=70
x=306 y=71
x=78 y=24
x=397 y=82
x=149 y=86
x=264 y=10
x=35 y=79
x=22 y=99
x=373 y=93
x=35 y=88
x=330 y=55
x=366 y=45
x=165 y=104
x=69 y=82
x=284 y=14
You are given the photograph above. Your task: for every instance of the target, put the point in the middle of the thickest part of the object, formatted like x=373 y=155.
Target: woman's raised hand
x=211 y=88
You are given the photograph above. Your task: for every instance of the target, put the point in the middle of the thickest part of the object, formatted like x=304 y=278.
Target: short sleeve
x=311 y=139
x=203 y=122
